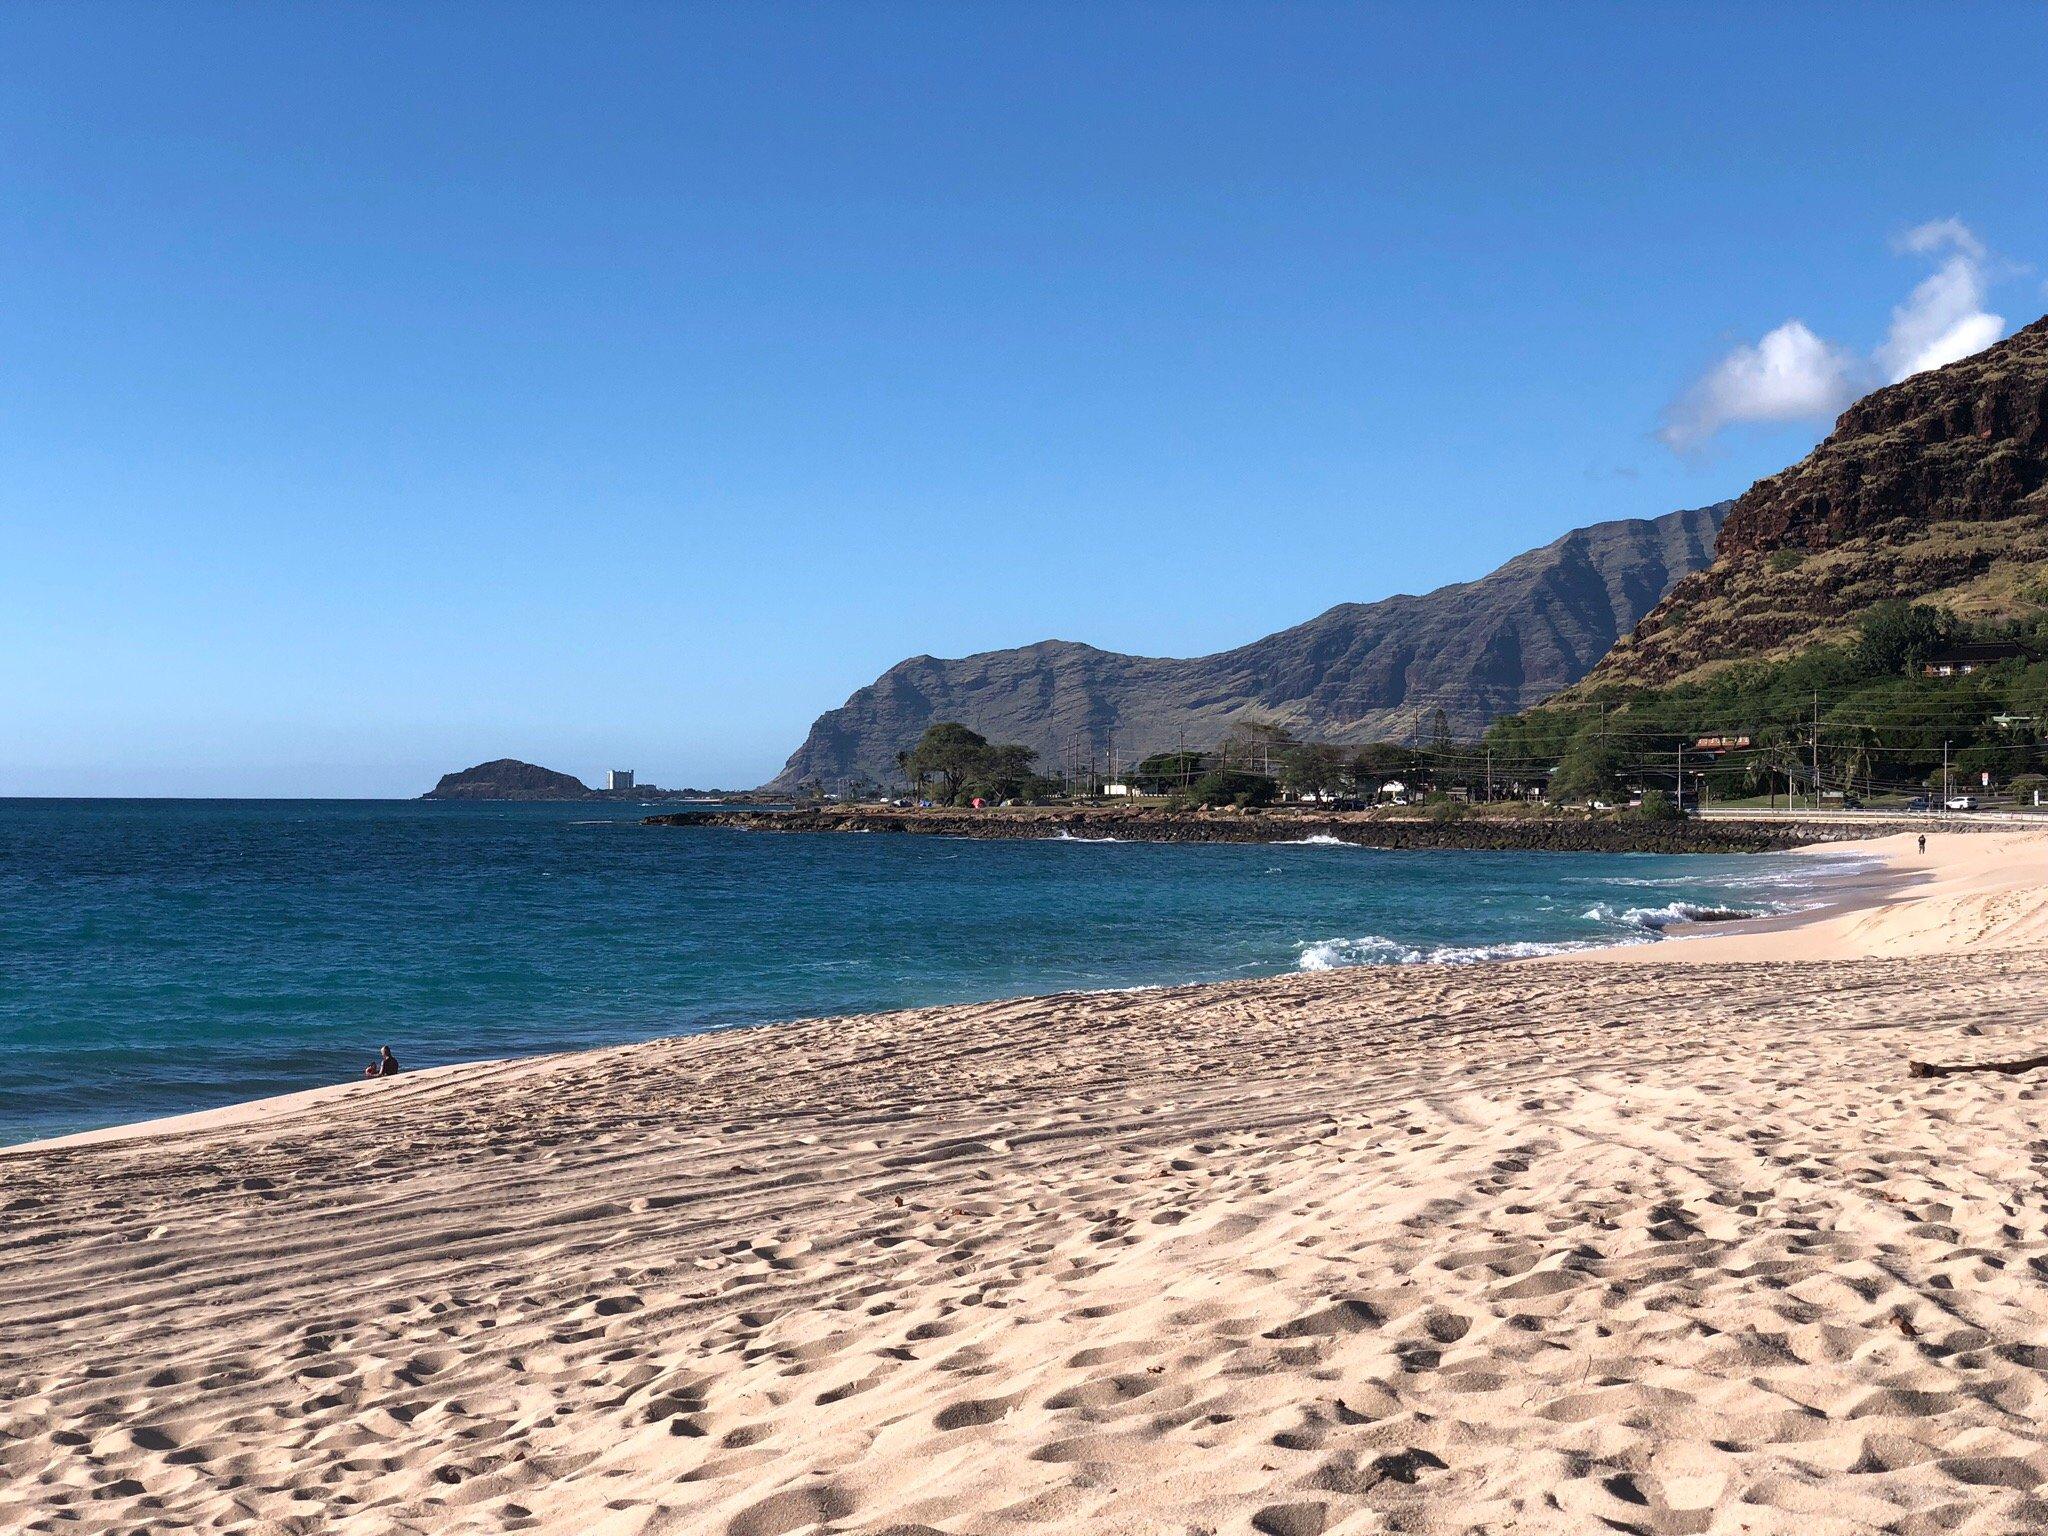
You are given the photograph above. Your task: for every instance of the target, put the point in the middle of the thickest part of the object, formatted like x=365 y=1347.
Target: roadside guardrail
x=2028 y=818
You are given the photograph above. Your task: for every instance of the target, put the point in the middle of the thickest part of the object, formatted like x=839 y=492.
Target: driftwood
x=1950 y=1068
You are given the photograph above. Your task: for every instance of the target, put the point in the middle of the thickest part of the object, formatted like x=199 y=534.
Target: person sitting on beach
x=385 y=1065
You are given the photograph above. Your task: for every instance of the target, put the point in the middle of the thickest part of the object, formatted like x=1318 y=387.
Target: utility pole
x=1944 y=778
x=1816 y=749
x=1681 y=777
x=1489 y=775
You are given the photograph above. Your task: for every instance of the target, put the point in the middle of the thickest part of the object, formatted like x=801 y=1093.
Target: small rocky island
x=507 y=778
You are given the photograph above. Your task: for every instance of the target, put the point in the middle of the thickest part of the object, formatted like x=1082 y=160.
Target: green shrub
x=1657 y=806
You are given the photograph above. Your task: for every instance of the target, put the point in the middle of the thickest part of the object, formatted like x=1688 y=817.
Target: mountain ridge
x=1934 y=488
x=1353 y=673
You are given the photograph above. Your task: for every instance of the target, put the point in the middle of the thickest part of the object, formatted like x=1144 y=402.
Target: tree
x=950 y=753
x=1380 y=758
x=1312 y=770
x=1895 y=635
x=1231 y=786
x=968 y=767
x=1255 y=743
x=2002 y=760
x=1378 y=761
x=1000 y=773
x=1883 y=724
x=1590 y=768
x=1164 y=771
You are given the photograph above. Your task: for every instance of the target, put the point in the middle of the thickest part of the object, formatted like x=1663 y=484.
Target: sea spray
x=1376 y=949
x=1656 y=919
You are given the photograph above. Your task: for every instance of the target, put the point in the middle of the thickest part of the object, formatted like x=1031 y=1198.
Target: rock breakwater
x=1563 y=833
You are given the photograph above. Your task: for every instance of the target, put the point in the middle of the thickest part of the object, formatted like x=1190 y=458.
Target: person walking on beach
x=1923 y=842
x=386 y=1065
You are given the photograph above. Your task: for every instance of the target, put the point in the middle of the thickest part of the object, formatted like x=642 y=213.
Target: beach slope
x=1668 y=1246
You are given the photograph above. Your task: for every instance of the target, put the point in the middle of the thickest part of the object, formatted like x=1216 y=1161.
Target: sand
x=1669 y=1245
x=1964 y=894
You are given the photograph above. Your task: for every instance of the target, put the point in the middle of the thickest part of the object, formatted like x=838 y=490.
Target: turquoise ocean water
x=162 y=956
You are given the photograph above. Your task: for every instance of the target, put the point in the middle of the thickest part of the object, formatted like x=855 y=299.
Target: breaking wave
x=1333 y=954
x=1624 y=925
x=1318 y=840
x=1656 y=919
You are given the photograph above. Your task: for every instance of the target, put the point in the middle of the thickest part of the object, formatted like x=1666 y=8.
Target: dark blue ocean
x=162 y=956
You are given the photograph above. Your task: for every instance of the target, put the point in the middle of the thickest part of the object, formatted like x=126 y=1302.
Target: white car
x=1960 y=803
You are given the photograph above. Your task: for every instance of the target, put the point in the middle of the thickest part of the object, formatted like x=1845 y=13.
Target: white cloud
x=1794 y=375
x=1944 y=317
x=1937 y=235
x=1791 y=375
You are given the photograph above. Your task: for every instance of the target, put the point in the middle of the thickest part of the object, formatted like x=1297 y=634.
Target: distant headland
x=507 y=778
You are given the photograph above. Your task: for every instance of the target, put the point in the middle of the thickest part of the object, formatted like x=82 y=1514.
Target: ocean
x=163 y=956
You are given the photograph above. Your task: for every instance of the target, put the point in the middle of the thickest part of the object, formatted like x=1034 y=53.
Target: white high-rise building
x=618 y=778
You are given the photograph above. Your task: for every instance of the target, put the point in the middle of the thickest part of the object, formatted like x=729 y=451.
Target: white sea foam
x=1656 y=919
x=1626 y=925
x=1319 y=840
x=1373 y=949
x=1064 y=836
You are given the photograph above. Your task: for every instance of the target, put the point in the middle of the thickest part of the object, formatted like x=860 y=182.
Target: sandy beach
x=1663 y=1239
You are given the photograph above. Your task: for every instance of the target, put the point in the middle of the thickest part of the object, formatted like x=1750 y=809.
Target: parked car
x=1917 y=803
x=1961 y=803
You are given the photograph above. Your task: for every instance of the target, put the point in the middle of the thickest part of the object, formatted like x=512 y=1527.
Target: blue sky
x=384 y=388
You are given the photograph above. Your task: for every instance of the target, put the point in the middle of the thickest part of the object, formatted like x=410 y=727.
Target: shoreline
x=1596 y=832
x=1985 y=891
x=1849 y=890
x=1645 y=1245
x=1868 y=875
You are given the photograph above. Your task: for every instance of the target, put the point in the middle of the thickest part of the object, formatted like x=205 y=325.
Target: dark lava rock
x=1559 y=834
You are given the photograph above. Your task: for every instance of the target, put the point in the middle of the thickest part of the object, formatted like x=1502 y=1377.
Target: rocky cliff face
x=1935 y=488
x=1360 y=672
x=507 y=778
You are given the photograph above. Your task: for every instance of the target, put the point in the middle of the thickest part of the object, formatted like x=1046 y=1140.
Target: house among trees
x=1960 y=660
